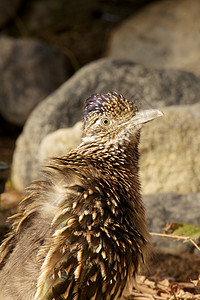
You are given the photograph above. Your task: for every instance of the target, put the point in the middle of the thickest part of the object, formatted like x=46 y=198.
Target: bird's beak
x=145 y=116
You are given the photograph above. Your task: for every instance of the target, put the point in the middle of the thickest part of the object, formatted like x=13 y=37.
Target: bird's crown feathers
x=108 y=103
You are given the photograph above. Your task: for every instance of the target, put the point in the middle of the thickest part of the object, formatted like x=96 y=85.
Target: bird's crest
x=108 y=103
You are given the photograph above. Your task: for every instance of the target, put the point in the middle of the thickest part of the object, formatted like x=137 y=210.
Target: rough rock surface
x=166 y=208
x=169 y=149
x=164 y=34
x=148 y=87
x=29 y=70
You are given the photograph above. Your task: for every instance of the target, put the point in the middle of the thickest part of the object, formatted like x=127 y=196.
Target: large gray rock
x=29 y=70
x=166 y=208
x=62 y=109
x=164 y=34
x=169 y=150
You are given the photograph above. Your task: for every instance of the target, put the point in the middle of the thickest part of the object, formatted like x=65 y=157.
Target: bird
x=81 y=232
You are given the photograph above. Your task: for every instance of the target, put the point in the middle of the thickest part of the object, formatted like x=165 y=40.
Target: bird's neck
x=116 y=166
x=122 y=159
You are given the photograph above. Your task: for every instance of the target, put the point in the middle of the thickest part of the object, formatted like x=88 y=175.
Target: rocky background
x=54 y=54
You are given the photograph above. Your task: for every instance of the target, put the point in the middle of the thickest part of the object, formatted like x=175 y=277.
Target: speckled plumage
x=81 y=232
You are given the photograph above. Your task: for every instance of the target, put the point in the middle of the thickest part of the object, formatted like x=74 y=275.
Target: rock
x=60 y=142
x=30 y=70
x=169 y=150
x=164 y=34
x=8 y=10
x=166 y=208
x=170 y=160
x=62 y=109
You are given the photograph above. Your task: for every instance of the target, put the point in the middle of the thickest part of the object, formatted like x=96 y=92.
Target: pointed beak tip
x=160 y=113
x=153 y=114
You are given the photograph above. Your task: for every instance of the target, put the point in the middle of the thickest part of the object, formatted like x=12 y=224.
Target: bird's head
x=110 y=118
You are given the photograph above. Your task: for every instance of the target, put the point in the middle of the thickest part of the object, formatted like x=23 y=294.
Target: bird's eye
x=105 y=121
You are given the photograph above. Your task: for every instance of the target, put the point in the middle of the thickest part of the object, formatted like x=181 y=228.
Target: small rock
x=60 y=142
x=30 y=70
x=163 y=34
x=166 y=208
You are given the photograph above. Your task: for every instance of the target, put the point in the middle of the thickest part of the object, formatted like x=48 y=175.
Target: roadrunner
x=81 y=233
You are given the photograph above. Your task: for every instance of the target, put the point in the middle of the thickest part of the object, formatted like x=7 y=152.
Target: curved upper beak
x=145 y=116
